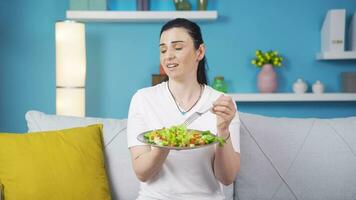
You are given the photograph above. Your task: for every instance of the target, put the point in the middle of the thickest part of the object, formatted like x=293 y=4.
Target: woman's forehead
x=175 y=34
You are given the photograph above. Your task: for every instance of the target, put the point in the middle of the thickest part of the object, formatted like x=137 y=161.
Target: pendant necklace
x=175 y=101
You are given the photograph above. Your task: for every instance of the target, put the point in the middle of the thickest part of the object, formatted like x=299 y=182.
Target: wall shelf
x=292 y=97
x=139 y=16
x=336 y=55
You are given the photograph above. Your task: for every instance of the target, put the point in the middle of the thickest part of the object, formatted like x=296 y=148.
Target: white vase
x=300 y=86
x=318 y=87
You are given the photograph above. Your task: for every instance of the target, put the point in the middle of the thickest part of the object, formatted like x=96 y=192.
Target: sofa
x=281 y=158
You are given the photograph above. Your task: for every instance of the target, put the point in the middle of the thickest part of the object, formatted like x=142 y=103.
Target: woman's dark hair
x=194 y=31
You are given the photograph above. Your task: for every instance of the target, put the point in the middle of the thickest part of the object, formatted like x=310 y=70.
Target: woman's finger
x=224 y=100
x=225 y=116
x=228 y=113
x=222 y=103
x=224 y=109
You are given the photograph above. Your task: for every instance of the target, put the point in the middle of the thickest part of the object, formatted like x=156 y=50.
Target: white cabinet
x=333 y=37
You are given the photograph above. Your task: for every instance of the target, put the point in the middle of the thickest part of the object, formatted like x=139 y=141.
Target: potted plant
x=267 y=78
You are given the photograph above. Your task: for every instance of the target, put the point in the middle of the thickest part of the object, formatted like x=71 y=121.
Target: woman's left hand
x=225 y=111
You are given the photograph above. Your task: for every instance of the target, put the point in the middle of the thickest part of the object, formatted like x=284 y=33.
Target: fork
x=194 y=116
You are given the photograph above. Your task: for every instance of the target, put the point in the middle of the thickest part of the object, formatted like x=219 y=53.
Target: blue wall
x=122 y=56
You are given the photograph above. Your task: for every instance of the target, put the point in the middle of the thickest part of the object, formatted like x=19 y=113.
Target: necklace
x=175 y=101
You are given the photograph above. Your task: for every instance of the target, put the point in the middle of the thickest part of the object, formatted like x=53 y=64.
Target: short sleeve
x=235 y=132
x=135 y=122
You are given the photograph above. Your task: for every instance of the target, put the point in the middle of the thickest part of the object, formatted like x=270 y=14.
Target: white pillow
x=124 y=185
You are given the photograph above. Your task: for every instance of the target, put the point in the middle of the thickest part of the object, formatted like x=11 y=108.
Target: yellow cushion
x=65 y=165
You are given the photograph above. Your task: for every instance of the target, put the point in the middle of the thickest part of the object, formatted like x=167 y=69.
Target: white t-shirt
x=186 y=174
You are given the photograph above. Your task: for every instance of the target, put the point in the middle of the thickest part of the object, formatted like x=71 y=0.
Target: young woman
x=189 y=174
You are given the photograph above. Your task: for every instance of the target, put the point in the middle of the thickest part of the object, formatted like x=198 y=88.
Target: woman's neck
x=185 y=93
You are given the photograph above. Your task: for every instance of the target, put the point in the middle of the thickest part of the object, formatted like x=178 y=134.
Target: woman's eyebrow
x=173 y=42
x=177 y=41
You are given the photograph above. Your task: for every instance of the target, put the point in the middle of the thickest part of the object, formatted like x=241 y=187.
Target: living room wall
x=122 y=56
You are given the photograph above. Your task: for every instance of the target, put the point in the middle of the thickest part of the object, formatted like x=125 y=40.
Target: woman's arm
x=147 y=161
x=226 y=163
x=226 y=160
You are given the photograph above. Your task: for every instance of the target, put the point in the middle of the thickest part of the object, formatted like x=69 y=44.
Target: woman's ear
x=201 y=52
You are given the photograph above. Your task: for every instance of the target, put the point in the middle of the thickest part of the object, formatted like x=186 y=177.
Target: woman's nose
x=170 y=54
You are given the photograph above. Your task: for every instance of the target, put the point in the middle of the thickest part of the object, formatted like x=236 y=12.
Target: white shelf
x=336 y=55
x=292 y=97
x=139 y=16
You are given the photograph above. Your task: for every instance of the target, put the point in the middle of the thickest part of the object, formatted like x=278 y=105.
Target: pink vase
x=267 y=79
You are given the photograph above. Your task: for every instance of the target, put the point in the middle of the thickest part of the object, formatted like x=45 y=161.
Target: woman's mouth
x=172 y=65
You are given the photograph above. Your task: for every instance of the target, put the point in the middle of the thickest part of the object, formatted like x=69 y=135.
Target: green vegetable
x=180 y=136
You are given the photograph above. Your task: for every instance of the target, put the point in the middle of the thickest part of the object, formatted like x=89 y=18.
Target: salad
x=180 y=136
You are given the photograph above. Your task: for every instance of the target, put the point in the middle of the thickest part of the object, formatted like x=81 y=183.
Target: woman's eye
x=178 y=47
x=163 y=50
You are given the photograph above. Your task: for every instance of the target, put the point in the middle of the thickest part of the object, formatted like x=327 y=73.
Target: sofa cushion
x=63 y=164
x=290 y=158
x=123 y=182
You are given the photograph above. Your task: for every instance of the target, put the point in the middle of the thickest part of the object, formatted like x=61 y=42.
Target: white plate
x=142 y=139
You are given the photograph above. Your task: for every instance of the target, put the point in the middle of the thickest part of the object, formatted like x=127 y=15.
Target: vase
x=318 y=87
x=202 y=4
x=219 y=84
x=267 y=79
x=300 y=87
x=142 y=5
x=182 y=5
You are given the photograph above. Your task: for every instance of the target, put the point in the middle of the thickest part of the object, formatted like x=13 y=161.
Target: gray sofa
x=281 y=158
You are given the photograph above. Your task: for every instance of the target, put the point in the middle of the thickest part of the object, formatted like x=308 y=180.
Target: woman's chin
x=174 y=75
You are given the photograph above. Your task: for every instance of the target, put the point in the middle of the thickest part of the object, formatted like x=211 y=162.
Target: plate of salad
x=179 y=138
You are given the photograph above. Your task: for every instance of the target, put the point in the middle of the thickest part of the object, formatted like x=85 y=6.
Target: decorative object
x=318 y=87
x=97 y=4
x=78 y=5
x=270 y=57
x=219 y=84
x=202 y=4
x=267 y=78
x=70 y=68
x=142 y=5
x=348 y=81
x=300 y=86
x=352 y=33
x=333 y=31
x=88 y=5
x=182 y=5
x=158 y=78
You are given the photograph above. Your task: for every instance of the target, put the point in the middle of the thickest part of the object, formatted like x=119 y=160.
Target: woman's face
x=178 y=55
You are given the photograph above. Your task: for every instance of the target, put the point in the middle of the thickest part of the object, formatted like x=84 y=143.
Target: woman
x=188 y=174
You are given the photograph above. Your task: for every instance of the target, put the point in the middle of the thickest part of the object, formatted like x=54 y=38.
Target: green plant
x=270 y=57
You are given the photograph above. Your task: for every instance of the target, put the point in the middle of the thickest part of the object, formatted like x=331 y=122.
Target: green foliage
x=270 y=57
